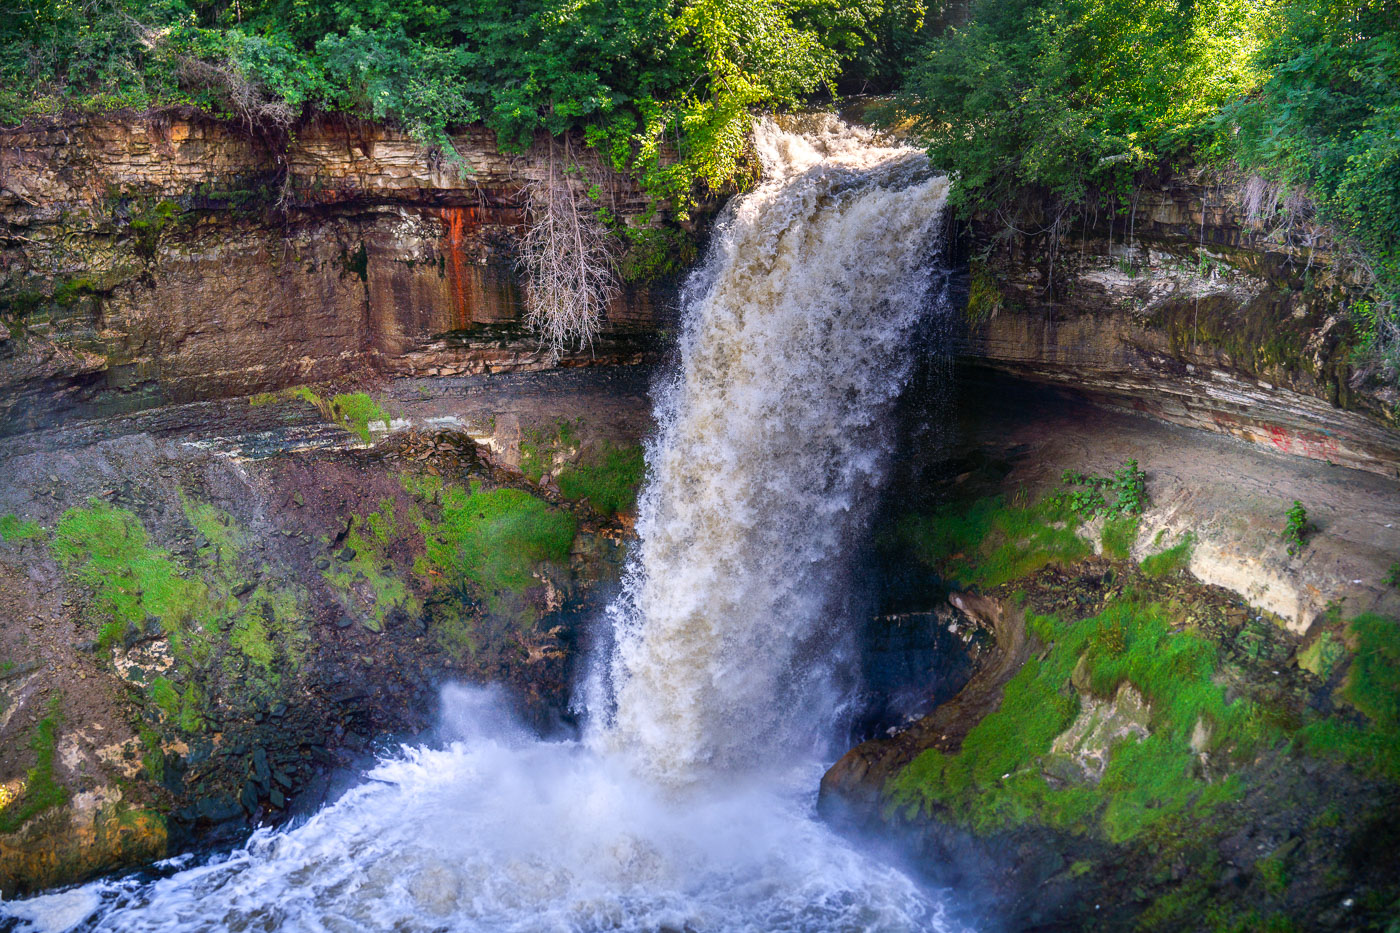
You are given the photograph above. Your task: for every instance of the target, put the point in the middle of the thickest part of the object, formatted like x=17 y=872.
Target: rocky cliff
x=171 y=258
x=1209 y=301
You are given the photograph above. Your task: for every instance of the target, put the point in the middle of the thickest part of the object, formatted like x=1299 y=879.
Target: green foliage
x=1327 y=119
x=12 y=528
x=983 y=294
x=609 y=482
x=989 y=542
x=1296 y=530
x=41 y=788
x=662 y=88
x=1085 y=497
x=496 y=539
x=1075 y=96
x=1391 y=578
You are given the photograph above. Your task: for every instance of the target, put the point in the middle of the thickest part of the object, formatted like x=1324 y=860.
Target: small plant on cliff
x=1392 y=576
x=1086 y=495
x=1296 y=528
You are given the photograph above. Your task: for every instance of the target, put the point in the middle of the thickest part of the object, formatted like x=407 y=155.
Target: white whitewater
x=689 y=804
x=796 y=342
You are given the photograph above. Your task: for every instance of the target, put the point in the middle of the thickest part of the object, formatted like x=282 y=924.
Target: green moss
x=608 y=483
x=1322 y=656
x=164 y=695
x=41 y=789
x=147 y=224
x=13 y=529
x=983 y=295
x=1373 y=683
x=1119 y=535
x=496 y=539
x=153 y=756
x=1273 y=874
x=424 y=486
x=1172 y=560
x=995 y=781
x=364 y=572
x=107 y=549
x=224 y=536
x=355 y=411
x=989 y=542
x=539 y=448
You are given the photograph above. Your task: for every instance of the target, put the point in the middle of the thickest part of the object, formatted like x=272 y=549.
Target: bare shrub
x=259 y=111
x=568 y=258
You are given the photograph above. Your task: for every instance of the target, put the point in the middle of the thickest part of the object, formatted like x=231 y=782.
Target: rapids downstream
x=687 y=803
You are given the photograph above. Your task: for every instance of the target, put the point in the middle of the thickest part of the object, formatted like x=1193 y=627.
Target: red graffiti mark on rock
x=1305 y=444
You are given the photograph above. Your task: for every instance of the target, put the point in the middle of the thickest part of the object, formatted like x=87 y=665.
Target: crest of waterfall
x=796 y=341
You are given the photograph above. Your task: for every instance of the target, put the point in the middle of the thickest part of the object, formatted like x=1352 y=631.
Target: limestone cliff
x=170 y=258
x=1200 y=304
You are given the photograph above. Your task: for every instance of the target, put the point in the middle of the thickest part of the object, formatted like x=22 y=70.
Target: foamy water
x=689 y=804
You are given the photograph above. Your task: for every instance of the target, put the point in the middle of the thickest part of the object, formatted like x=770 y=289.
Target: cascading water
x=796 y=342
x=672 y=813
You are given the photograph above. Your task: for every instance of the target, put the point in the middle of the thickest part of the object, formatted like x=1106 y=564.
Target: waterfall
x=689 y=805
x=771 y=436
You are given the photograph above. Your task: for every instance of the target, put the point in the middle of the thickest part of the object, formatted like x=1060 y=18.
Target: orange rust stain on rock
x=459 y=274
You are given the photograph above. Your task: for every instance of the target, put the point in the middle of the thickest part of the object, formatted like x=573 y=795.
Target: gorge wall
x=1211 y=301
x=172 y=258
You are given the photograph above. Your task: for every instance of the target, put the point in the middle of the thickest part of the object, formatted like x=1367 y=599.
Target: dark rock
x=346 y=554
x=249 y=797
x=219 y=809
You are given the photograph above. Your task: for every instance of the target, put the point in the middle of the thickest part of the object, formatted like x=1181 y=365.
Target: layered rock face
x=170 y=259
x=1209 y=303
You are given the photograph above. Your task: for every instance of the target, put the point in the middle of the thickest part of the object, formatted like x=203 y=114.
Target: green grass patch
x=609 y=482
x=990 y=542
x=1323 y=655
x=496 y=539
x=1119 y=535
x=1172 y=560
x=12 y=528
x=41 y=789
x=995 y=781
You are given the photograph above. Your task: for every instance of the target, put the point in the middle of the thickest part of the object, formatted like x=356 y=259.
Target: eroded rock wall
x=1209 y=302
x=150 y=260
